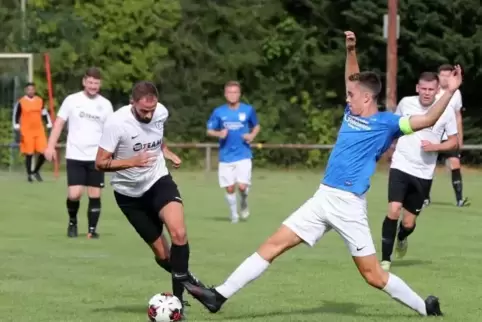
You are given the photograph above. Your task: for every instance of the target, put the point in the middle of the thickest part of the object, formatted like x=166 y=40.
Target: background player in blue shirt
x=340 y=204
x=236 y=126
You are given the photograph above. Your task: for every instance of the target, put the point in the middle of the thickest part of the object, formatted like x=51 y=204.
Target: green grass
x=46 y=277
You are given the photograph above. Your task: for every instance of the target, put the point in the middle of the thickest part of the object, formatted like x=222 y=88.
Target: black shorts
x=84 y=173
x=451 y=154
x=409 y=190
x=143 y=212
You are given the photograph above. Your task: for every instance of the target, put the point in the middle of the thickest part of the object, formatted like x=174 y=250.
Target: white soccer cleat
x=234 y=219
x=245 y=213
x=386 y=265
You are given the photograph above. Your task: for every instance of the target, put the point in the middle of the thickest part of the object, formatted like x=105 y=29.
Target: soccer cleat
x=463 y=202
x=432 y=306
x=72 y=230
x=38 y=177
x=92 y=234
x=234 y=219
x=208 y=297
x=244 y=213
x=30 y=178
x=401 y=248
x=426 y=202
x=193 y=280
x=386 y=265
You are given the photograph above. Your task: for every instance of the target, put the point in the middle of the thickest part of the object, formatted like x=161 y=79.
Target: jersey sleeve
x=17 y=112
x=214 y=122
x=253 y=118
x=65 y=108
x=46 y=117
x=456 y=101
x=111 y=135
x=451 y=125
x=399 y=110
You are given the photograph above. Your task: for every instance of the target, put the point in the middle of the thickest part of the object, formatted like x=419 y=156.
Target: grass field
x=46 y=277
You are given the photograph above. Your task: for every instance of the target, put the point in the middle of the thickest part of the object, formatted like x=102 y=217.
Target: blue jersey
x=238 y=122
x=360 y=144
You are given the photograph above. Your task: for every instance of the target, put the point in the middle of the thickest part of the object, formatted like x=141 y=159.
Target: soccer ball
x=164 y=307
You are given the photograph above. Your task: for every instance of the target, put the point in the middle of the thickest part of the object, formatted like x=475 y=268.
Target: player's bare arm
x=419 y=122
x=222 y=134
x=50 y=153
x=249 y=137
x=169 y=155
x=351 y=63
x=448 y=145
x=105 y=162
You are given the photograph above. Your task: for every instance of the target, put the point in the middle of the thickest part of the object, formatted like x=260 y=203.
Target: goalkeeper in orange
x=28 y=116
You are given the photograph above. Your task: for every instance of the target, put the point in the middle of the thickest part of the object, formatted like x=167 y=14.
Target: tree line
x=288 y=55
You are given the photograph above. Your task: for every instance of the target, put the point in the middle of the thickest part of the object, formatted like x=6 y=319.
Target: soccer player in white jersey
x=340 y=204
x=453 y=156
x=235 y=124
x=85 y=112
x=132 y=147
x=413 y=165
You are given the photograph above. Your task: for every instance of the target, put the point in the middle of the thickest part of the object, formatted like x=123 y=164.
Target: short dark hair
x=143 y=89
x=445 y=68
x=428 y=77
x=232 y=83
x=93 y=72
x=29 y=84
x=369 y=80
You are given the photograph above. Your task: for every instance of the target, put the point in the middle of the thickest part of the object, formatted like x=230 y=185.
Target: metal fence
x=209 y=147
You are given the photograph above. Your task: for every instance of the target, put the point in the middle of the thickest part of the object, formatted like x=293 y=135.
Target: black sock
x=177 y=287
x=72 y=209
x=404 y=232
x=389 y=233
x=28 y=163
x=457 y=183
x=40 y=163
x=180 y=267
x=93 y=212
x=164 y=263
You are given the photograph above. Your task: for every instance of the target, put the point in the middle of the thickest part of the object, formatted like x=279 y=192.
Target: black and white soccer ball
x=164 y=307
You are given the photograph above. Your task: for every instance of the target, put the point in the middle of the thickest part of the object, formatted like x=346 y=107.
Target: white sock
x=244 y=198
x=402 y=293
x=248 y=271
x=233 y=207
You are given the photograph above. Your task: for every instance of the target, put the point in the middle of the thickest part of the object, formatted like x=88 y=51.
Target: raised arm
x=419 y=122
x=351 y=62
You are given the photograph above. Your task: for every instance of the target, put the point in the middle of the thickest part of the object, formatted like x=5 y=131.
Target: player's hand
x=176 y=161
x=144 y=159
x=223 y=133
x=455 y=80
x=428 y=146
x=50 y=154
x=248 y=137
x=350 y=40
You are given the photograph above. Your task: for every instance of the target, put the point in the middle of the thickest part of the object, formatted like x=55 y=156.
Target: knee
x=375 y=277
x=242 y=187
x=454 y=163
x=277 y=245
x=178 y=235
x=408 y=222
x=74 y=196
x=230 y=189
x=394 y=210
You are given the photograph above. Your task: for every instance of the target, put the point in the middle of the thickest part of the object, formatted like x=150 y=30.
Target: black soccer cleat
x=72 y=231
x=38 y=177
x=92 y=234
x=209 y=297
x=30 y=178
x=195 y=281
x=432 y=306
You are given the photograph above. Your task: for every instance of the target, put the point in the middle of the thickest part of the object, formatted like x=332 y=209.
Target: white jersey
x=455 y=103
x=125 y=137
x=409 y=156
x=85 y=117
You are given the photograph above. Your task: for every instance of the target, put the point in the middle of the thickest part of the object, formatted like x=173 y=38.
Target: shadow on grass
x=410 y=262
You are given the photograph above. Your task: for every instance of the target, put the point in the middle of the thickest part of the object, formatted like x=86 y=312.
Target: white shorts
x=234 y=172
x=336 y=209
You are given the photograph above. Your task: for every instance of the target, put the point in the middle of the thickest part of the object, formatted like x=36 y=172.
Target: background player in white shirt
x=454 y=155
x=132 y=147
x=413 y=165
x=236 y=125
x=85 y=112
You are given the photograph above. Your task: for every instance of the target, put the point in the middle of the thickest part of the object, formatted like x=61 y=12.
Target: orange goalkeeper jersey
x=29 y=113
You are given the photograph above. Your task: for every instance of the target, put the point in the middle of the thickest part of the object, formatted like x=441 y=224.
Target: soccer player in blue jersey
x=235 y=125
x=340 y=204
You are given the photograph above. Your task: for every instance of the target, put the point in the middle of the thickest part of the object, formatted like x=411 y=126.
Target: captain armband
x=404 y=124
